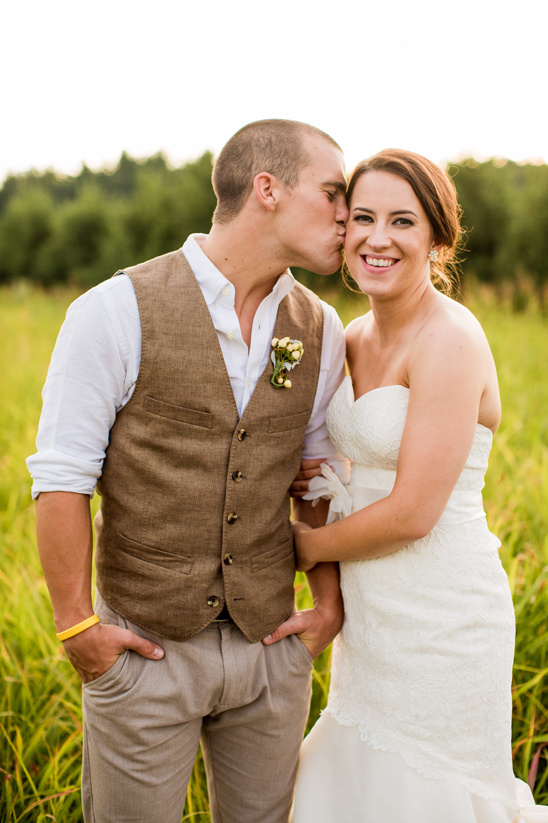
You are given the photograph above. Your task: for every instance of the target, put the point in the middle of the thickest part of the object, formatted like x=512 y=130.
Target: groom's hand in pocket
x=96 y=650
x=316 y=627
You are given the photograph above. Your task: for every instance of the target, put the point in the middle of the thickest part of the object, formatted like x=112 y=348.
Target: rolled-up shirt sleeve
x=93 y=370
x=317 y=442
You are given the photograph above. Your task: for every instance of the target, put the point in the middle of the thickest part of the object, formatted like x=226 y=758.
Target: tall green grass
x=517 y=509
x=40 y=719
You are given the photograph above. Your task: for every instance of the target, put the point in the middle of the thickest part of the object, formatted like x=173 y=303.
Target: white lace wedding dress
x=418 y=722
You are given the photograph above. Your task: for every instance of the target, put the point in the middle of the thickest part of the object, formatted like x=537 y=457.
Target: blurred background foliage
x=79 y=230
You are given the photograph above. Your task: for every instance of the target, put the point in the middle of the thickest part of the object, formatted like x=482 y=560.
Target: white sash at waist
x=463 y=505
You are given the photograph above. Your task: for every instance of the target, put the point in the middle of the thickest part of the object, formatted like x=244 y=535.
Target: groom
x=159 y=392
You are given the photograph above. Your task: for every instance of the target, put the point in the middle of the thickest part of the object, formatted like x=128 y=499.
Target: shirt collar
x=212 y=281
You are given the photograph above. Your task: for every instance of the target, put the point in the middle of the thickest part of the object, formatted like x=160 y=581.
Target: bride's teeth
x=374 y=261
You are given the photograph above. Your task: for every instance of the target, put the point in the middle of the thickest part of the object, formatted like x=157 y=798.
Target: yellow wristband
x=80 y=627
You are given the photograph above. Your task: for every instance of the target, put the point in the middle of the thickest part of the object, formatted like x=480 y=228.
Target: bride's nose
x=378 y=237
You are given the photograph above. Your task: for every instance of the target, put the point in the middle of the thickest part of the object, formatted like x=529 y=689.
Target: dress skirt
x=368 y=785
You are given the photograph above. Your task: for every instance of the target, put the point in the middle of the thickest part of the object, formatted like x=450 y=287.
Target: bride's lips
x=378 y=264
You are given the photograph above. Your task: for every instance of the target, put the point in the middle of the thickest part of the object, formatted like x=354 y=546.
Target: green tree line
x=505 y=217
x=79 y=230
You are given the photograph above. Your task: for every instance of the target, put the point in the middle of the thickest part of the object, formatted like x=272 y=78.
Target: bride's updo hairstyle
x=437 y=195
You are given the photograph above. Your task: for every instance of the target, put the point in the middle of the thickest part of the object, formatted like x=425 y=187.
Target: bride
x=418 y=723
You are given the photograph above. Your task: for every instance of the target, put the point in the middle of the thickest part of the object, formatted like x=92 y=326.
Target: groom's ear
x=266 y=188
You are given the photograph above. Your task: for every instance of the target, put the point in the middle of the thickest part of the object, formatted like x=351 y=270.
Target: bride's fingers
x=299 y=485
x=306 y=475
x=298 y=488
x=309 y=469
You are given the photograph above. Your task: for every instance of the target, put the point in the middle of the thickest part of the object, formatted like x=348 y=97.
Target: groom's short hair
x=274 y=146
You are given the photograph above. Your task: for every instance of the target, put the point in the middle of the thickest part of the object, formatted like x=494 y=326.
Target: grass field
x=40 y=720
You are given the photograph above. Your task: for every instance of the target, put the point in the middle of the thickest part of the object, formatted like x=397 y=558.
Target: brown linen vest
x=195 y=505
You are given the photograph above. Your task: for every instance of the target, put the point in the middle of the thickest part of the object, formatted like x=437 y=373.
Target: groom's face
x=313 y=214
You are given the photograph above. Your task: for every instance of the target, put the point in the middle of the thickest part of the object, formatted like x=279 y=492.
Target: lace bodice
x=368 y=431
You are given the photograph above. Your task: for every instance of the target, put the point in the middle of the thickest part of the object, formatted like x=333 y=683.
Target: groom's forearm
x=324 y=584
x=318 y=626
x=315 y=516
x=323 y=579
x=326 y=618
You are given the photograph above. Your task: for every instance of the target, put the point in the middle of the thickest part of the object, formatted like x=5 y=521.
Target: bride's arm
x=448 y=373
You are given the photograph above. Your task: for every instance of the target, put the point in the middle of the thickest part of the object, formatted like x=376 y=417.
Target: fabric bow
x=329 y=487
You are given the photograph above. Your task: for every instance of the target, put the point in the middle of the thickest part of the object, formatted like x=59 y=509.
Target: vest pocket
x=157 y=557
x=288 y=422
x=179 y=413
x=272 y=556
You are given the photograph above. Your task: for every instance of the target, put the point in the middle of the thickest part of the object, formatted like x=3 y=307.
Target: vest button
x=237 y=477
x=232 y=517
x=227 y=559
x=242 y=434
x=212 y=601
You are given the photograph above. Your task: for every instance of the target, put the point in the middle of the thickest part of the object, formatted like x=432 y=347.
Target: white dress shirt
x=96 y=361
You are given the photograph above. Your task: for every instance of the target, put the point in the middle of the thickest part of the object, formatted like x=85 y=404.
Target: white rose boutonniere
x=286 y=354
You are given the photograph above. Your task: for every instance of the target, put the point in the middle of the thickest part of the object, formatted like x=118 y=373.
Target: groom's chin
x=330 y=268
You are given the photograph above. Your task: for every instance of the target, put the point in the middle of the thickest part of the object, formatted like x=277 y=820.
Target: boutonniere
x=286 y=354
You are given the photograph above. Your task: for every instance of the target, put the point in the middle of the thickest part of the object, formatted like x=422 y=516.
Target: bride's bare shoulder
x=452 y=322
x=451 y=341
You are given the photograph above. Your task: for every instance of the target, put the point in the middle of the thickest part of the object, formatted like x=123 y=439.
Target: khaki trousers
x=144 y=719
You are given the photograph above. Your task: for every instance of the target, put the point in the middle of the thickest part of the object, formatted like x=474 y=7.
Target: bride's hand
x=300 y=529
x=308 y=470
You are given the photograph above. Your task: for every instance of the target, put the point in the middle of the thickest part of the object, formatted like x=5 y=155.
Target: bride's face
x=388 y=235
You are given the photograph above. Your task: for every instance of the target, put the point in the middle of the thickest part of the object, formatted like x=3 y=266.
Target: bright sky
x=447 y=78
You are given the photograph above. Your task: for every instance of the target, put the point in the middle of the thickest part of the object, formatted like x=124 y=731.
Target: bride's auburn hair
x=437 y=195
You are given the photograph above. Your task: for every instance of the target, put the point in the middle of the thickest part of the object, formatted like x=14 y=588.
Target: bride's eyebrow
x=403 y=211
x=392 y=213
